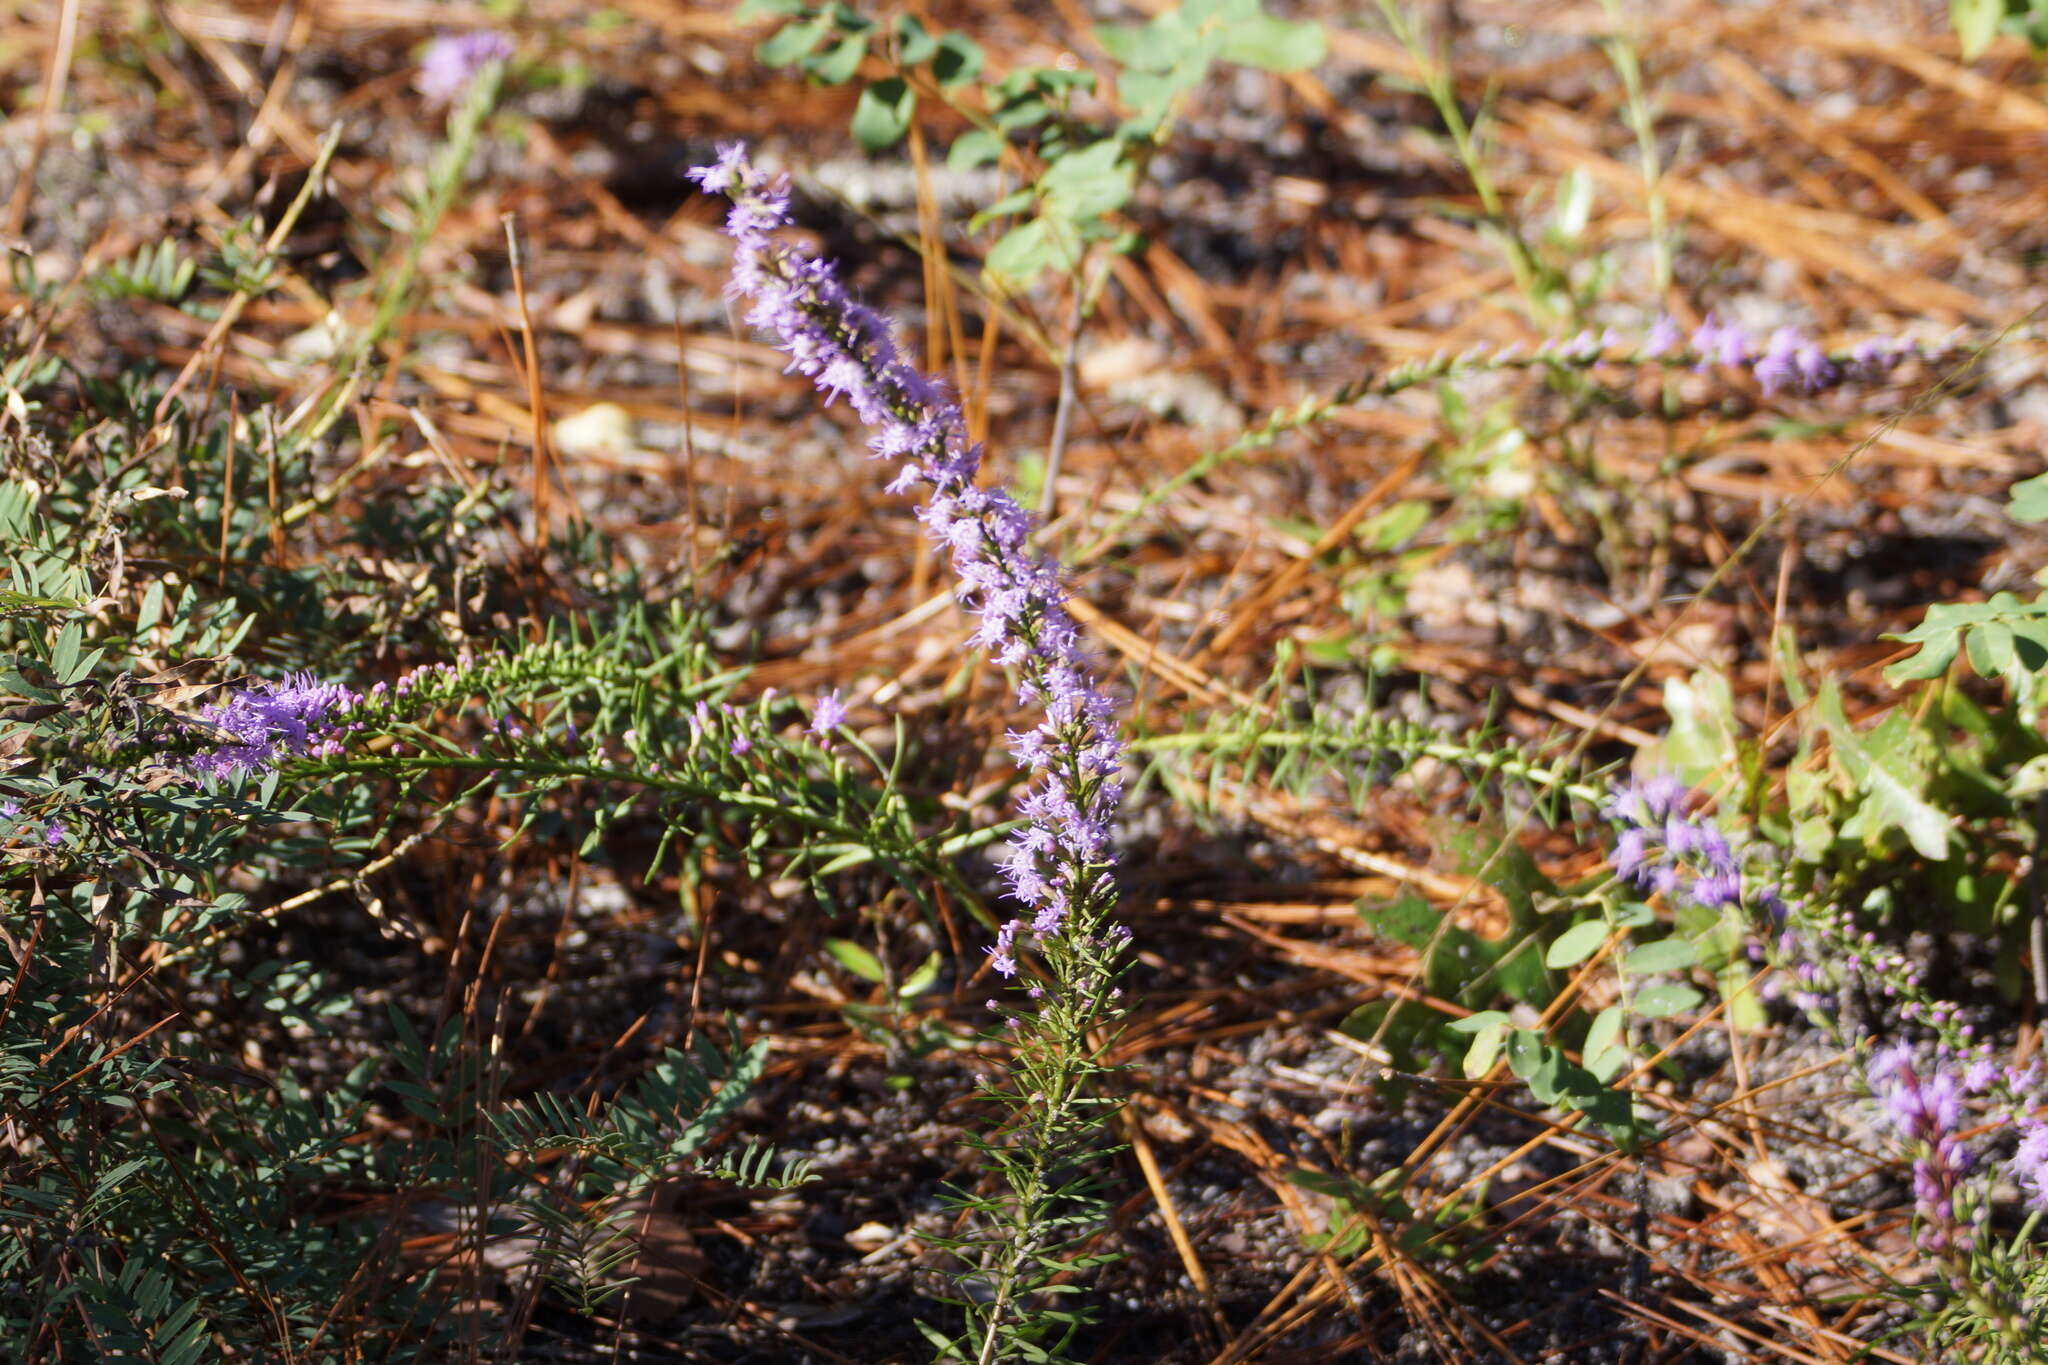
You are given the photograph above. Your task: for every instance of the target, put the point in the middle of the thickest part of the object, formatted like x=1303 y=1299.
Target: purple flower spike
x=1059 y=862
x=271 y=720
x=453 y=60
x=1926 y=1112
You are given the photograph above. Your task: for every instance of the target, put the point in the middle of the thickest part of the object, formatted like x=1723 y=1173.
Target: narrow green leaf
x=856 y=959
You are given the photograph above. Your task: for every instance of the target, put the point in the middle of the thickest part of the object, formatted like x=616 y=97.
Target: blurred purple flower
x=1664 y=337
x=827 y=715
x=453 y=60
x=1718 y=342
x=2030 y=1163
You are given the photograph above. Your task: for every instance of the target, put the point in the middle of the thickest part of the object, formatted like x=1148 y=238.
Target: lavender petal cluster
x=267 y=721
x=1059 y=865
x=2030 y=1163
x=453 y=60
x=1926 y=1111
x=1787 y=362
x=1664 y=847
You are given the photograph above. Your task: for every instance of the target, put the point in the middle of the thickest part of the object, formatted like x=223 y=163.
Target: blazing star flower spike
x=1059 y=864
x=269 y=720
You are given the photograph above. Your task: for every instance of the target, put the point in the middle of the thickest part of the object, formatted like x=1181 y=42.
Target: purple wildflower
x=1776 y=369
x=1792 y=361
x=1664 y=337
x=1926 y=1112
x=827 y=715
x=1717 y=889
x=53 y=833
x=2030 y=1163
x=10 y=808
x=269 y=720
x=1816 y=371
x=1718 y=342
x=1664 y=847
x=1059 y=862
x=453 y=60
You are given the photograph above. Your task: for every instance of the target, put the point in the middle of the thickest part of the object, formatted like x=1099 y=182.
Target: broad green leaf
x=1027 y=250
x=1576 y=944
x=1389 y=530
x=1084 y=185
x=1473 y=1023
x=1976 y=24
x=1016 y=201
x=883 y=114
x=1606 y=1049
x=791 y=43
x=1703 y=736
x=840 y=62
x=975 y=147
x=64 y=653
x=1889 y=779
x=1746 y=1012
x=1274 y=44
x=2030 y=779
x=1485 y=1049
x=957 y=60
x=1665 y=955
x=914 y=43
x=2028 y=499
x=1149 y=47
x=1666 y=998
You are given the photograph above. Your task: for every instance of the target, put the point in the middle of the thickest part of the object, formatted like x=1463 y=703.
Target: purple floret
x=453 y=60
